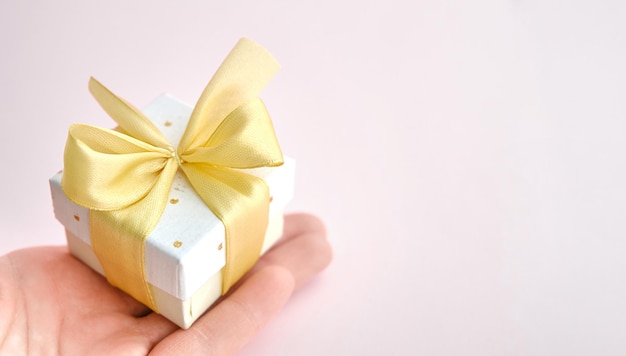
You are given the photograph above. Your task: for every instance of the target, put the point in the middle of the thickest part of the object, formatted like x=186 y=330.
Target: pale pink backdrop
x=467 y=156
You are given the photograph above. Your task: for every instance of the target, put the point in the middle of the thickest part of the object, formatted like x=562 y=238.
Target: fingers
x=236 y=319
x=304 y=250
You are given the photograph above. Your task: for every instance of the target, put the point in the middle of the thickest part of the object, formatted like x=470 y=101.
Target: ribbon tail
x=130 y=119
x=241 y=202
x=118 y=238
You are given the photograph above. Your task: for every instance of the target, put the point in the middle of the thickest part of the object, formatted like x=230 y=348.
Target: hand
x=51 y=303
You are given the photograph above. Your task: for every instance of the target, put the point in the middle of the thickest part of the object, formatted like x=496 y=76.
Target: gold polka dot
x=173 y=201
x=271 y=199
x=177 y=244
x=219 y=247
x=168 y=124
x=76 y=217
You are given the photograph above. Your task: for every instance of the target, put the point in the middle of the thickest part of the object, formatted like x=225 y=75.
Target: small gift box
x=176 y=227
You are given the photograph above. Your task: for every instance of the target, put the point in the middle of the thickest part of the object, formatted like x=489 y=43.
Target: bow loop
x=108 y=170
x=244 y=139
x=240 y=78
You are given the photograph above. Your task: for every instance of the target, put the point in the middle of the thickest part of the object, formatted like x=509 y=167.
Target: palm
x=65 y=301
x=61 y=306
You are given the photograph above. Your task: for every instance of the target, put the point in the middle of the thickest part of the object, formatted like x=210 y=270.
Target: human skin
x=51 y=303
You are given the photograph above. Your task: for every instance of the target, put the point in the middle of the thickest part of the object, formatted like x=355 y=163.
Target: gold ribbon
x=124 y=176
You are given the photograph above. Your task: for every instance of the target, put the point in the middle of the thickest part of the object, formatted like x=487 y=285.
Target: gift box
x=181 y=266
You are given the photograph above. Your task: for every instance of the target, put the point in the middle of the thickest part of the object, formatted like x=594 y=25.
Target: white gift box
x=185 y=253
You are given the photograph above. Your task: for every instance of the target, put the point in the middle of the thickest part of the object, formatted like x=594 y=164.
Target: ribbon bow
x=124 y=176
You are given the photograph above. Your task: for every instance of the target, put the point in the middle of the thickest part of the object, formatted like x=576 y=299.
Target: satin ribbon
x=124 y=175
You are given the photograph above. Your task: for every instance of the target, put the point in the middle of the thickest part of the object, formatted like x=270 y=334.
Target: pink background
x=467 y=156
